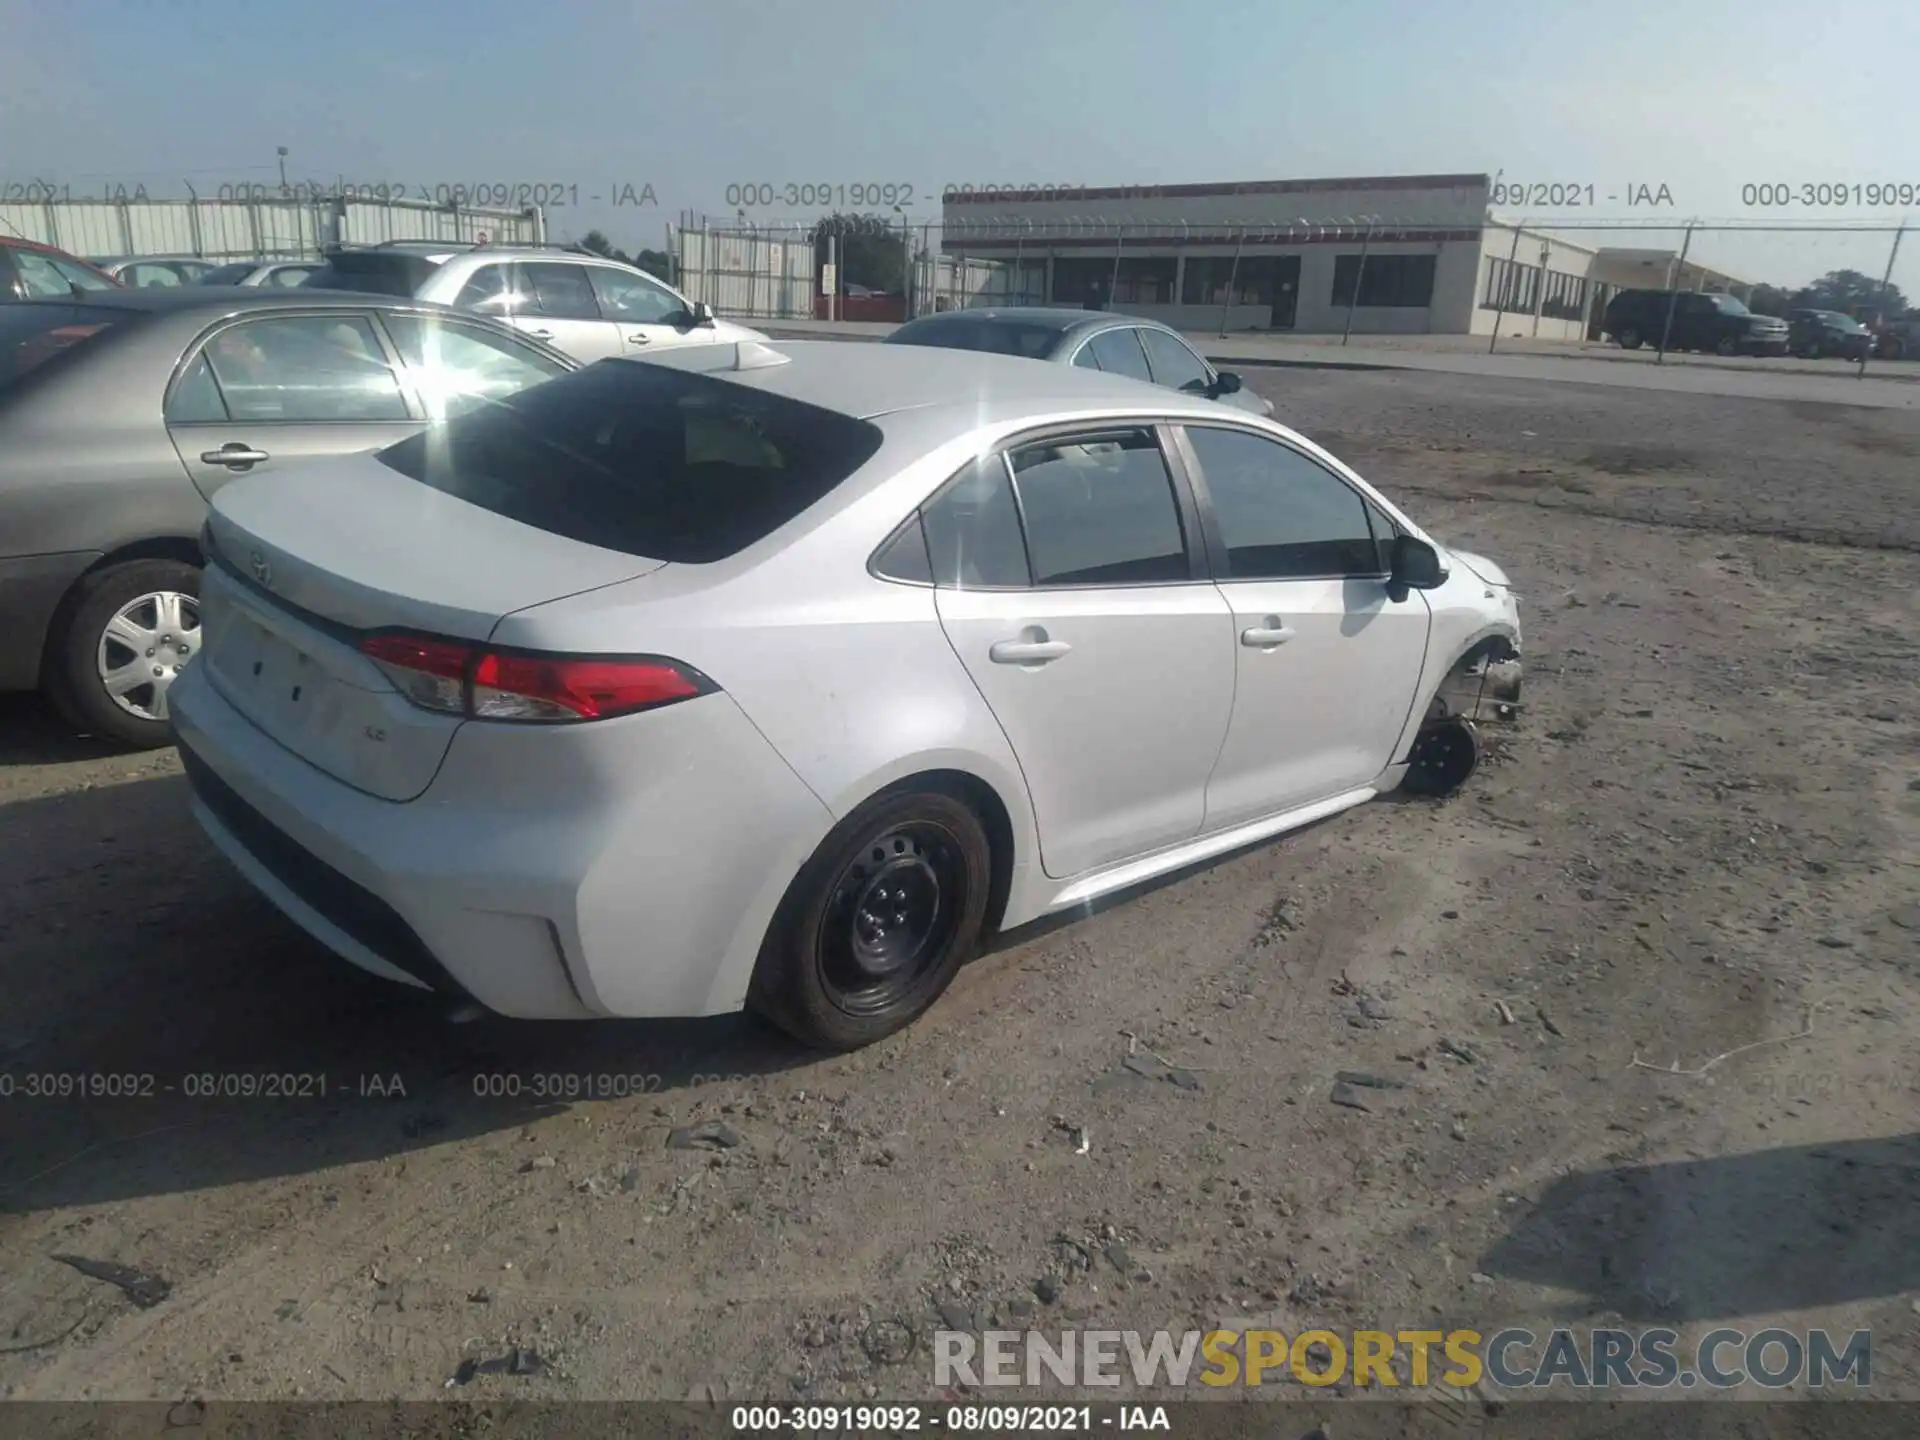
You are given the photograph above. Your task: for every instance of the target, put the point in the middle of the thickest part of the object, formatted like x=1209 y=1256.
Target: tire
x=1630 y=338
x=825 y=974
x=1727 y=345
x=159 y=596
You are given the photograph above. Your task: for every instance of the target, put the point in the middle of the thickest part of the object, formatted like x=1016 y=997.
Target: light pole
x=283 y=167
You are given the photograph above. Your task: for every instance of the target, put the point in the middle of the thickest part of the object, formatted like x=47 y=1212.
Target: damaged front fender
x=1483 y=685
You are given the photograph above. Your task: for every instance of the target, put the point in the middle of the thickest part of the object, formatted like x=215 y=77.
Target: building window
x=1141 y=281
x=1385 y=280
x=1566 y=297
x=1215 y=280
x=1510 y=286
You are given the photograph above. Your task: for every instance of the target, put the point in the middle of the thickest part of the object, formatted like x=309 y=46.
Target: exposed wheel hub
x=893 y=914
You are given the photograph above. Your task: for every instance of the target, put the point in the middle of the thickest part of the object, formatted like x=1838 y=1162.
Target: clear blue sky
x=690 y=97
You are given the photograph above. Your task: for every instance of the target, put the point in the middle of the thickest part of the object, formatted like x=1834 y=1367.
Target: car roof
x=1060 y=317
x=972 y=387
x=175 y=299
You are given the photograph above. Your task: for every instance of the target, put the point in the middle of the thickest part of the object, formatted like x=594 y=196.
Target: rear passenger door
x=1069 y=584
x=548 y=299
x=257 y=393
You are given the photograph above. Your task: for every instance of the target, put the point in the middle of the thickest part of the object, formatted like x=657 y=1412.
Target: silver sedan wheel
x=143 y=647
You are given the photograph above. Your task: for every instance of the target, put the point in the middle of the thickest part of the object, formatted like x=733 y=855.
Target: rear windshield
x=34 y=332
x=1001 y=337
x=642 y=459
x=376 y=272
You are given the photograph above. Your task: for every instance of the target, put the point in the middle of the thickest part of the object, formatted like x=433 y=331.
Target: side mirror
x=701 y=313
x=1226 y=383
x=1416 y=566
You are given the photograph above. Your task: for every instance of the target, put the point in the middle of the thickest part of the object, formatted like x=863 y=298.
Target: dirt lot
x=1706 y=836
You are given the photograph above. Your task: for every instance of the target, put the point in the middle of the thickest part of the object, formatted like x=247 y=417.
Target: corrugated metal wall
x=243 y=229
x=744 y=273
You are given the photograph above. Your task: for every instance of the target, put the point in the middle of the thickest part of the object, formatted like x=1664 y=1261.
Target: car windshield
x=1727 y=305
x=227 y=274
x=642 y=459
x=1030 y=339
x=33 y=333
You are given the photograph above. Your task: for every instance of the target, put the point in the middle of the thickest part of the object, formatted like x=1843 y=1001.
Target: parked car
x=32 y=271
x=584 y=304
x=777 y=675
x=1815 y=333
x=1091 y=340
x=143 y=272
x=1705 y=322
x=273 y=274
x=122 y=412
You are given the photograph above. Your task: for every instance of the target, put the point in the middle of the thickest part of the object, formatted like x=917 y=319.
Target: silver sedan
x=1089 y=340
x=122 y=412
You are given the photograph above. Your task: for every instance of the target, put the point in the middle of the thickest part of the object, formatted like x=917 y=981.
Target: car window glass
x=1281 y=515
x=1119 y=351
x=290 y=277
x=490 y=291
x=40 y=275
x=1085 y=359
x=563 y=292
x=196 y=399
x=632 y=298
x=153 y=277
x=1100 y=511
x=458 y=367
x=306 y=368
x=905 y=556
x=80 y=275
x=1384 y=531
x=973 y=530
x=644 y=459
x=1174 y=365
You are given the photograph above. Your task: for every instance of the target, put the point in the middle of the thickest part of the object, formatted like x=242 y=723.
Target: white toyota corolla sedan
x=777 y=675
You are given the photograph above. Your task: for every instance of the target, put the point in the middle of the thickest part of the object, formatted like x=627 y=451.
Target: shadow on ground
x=165 y=1029
x=1732 y=1236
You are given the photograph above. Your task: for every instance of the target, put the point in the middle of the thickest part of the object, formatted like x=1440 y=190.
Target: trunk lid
x=307 y=560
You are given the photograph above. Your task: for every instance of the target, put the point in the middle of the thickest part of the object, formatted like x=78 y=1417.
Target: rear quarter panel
x=85 y=462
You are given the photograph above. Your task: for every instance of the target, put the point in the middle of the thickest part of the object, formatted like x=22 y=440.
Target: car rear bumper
x=31 y=588
x=629 y=867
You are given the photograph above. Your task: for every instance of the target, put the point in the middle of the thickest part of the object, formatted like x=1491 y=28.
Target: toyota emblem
x=262 y=571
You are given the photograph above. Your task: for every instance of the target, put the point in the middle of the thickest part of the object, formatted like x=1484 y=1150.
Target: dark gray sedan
x=120 y=415
x=1090 y=339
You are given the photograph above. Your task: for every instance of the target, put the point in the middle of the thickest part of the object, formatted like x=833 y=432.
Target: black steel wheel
x=1445 y=754
x=877 y=923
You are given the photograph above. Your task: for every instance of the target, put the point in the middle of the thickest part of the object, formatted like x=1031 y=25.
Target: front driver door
x=257 y=393
x=1107 y=657
x=645 y=315
x=1328 y=665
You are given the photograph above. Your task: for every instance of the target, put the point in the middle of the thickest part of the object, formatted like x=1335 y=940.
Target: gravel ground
x=1704 y=837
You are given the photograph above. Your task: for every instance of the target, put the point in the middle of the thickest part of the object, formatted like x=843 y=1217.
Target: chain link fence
x=255 y=228
x=1546 y=278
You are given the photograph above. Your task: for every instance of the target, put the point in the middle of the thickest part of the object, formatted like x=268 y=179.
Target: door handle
x=541 y=334
x=235 y=455
x=1027 y=652
x=639 y=339
x=1268 y=633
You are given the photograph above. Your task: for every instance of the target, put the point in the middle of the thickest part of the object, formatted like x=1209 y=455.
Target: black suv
x=1717 y=323
x=1814 y=333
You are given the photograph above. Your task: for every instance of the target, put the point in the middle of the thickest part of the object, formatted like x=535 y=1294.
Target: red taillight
x=457 y=678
